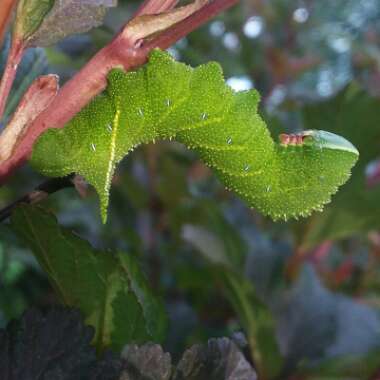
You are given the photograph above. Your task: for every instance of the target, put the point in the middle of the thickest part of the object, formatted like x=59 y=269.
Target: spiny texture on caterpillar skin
x=166 y=99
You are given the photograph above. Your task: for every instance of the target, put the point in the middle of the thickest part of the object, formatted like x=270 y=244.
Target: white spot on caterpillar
x=246 y=168
x=109 y=127
x=141 y=113
x=204 y=116
x=268 y=189
x=168 y=102
x=229 y=141
x=93 y=147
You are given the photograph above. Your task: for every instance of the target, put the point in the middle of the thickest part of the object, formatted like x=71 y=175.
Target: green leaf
x=255 y=317
x=166 y=99
x=108 y=288
x=355 y=115
x=258 y=322
x=358 y=366
x=210 y=245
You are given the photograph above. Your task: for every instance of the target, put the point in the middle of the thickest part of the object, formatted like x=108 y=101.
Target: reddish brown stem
x=38 y=194
x=182 y=29
x=91 y=80
x=73 y=96
x=82 y=87
x=13 y=60
x=150 y=7
x=5 y=14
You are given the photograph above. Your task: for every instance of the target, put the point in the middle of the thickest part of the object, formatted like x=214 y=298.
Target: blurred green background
x=305 y=294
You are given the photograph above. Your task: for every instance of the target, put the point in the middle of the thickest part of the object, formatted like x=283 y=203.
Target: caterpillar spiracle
x=166 y=99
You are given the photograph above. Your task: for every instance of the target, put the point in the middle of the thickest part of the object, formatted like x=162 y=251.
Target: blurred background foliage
x=306 y=294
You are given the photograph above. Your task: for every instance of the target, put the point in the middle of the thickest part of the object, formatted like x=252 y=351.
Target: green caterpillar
x=165 y=100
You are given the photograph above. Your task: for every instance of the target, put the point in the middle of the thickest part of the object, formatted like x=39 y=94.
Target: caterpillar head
x=318 y=139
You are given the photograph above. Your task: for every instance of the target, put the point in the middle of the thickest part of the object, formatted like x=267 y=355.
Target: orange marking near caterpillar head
x=292 y=139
